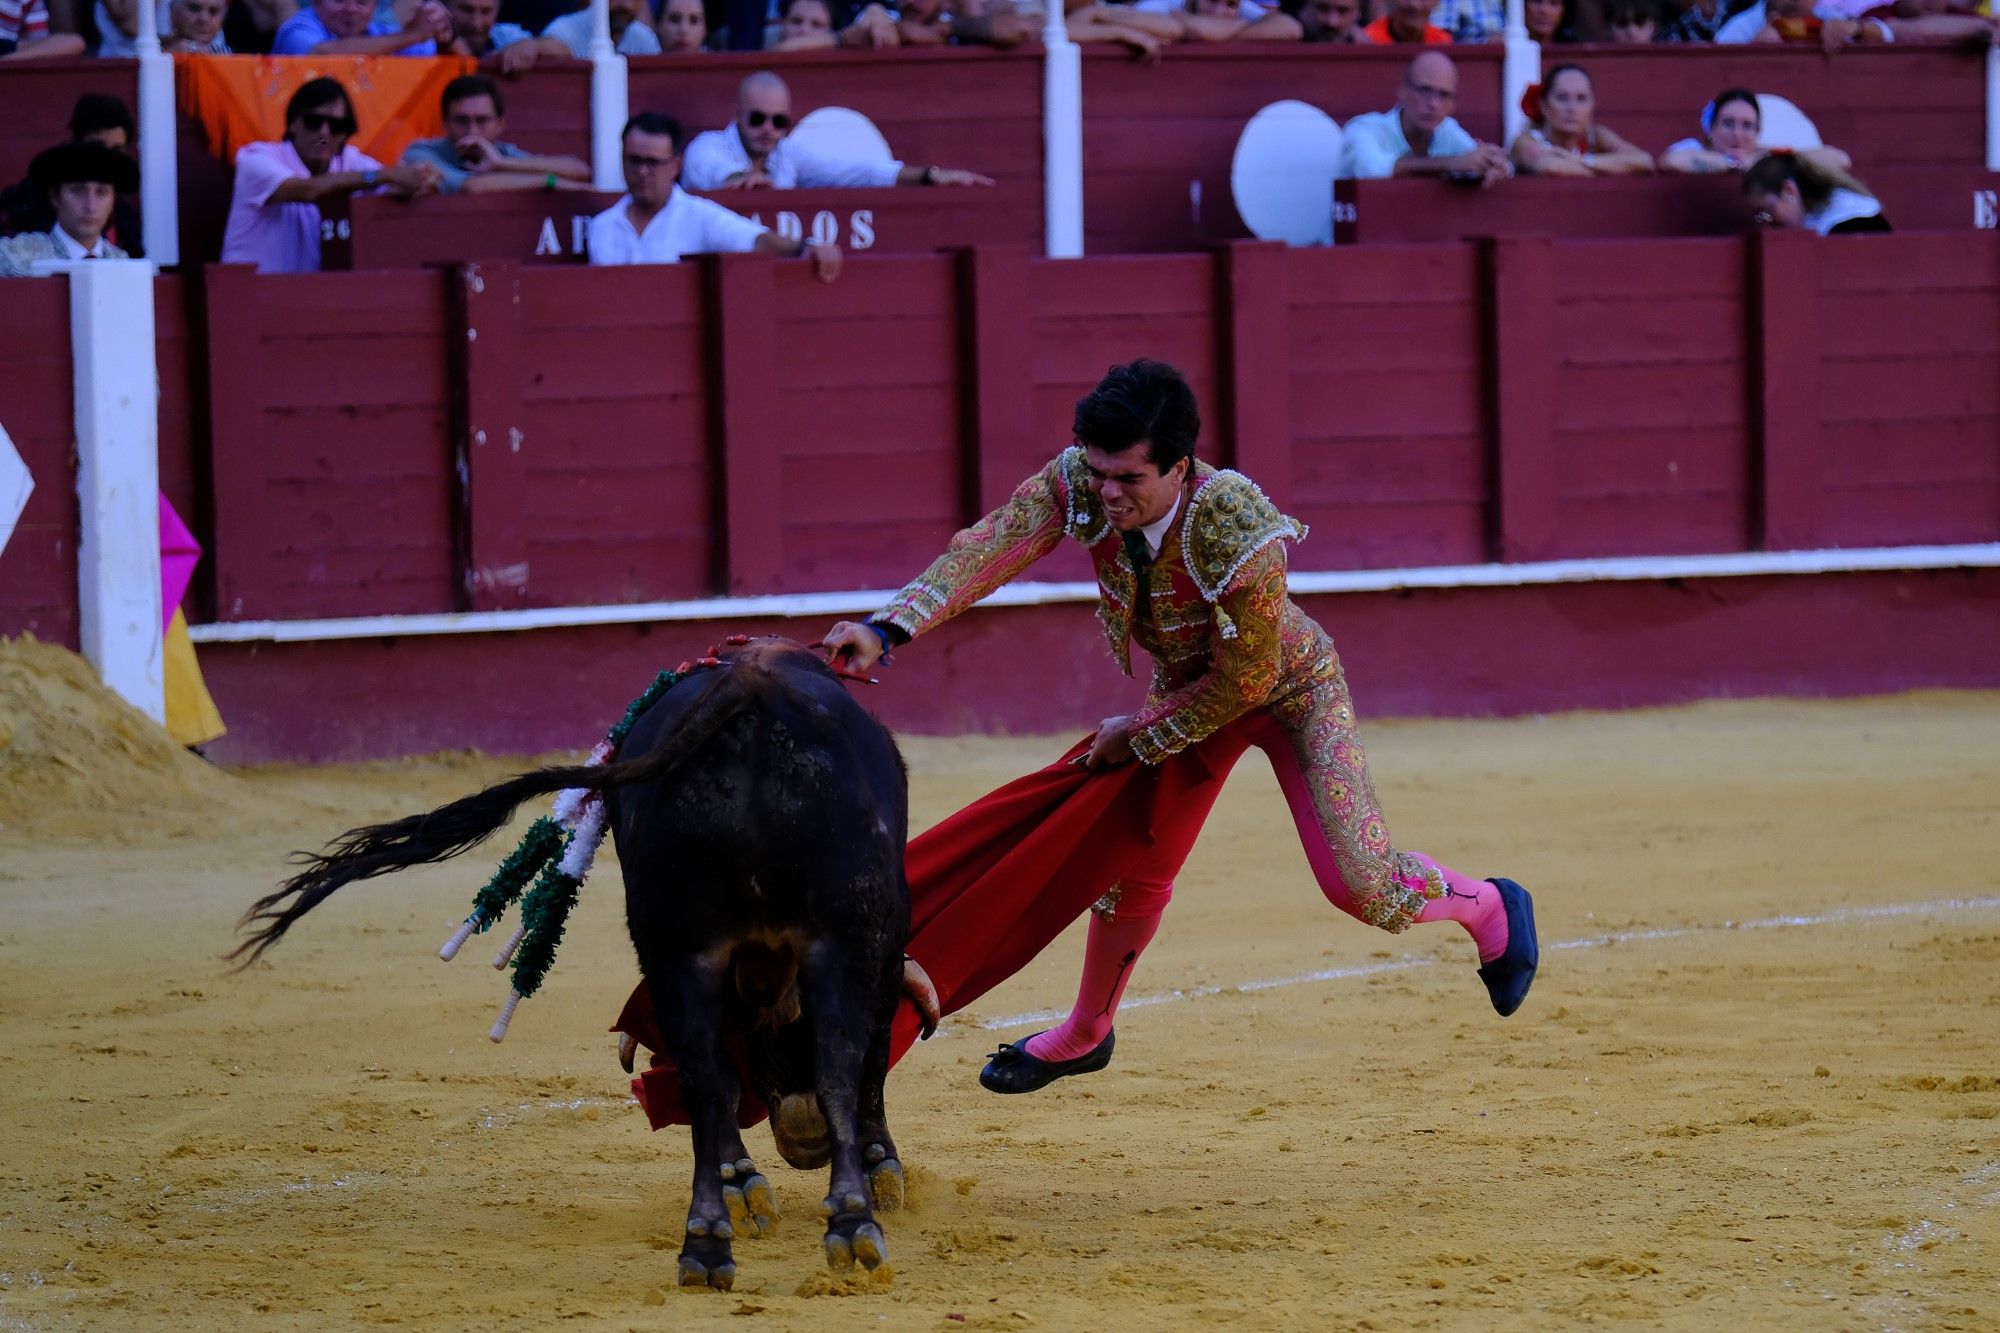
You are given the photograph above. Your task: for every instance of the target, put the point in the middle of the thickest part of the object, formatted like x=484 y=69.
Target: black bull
x=760 y=816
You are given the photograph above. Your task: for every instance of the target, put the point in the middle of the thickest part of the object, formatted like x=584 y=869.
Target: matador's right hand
x=852 y=648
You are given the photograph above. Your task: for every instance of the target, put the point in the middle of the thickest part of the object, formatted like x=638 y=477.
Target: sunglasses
x=316 y=121
x=755 y=120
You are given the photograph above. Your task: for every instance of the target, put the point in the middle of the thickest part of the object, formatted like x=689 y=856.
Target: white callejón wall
x=117 y=408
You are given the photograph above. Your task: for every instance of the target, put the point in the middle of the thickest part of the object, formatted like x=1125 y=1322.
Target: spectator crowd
x=279 y=185
x=511 y=35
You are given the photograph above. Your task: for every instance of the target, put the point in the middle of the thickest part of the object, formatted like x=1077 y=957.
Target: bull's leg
x=752 y=1204
x=689 y=1003
x=878 y=1149
x=839 y=994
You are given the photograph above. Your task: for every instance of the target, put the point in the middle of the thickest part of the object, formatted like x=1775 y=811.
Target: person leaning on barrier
x=476 y=31
x=1418 y=137
x=25 y=35
x=1408 y=22
x=189 y=27
x=1730 y=126
x=1471 y=21
x=657 y=222
x=96 y=118
x=1786 y=191
x=1632 y=22
x=473 y=157
x=568 y=37
x=274 y=219
x=962 y=23
x=351 y=27
x=754 y=153
x=82 y=181
x=1563 y=137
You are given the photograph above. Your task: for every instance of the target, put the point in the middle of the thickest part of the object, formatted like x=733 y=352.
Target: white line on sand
x=1846 y=916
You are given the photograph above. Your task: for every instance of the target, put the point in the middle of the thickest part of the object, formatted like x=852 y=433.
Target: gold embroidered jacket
x=1223 y=635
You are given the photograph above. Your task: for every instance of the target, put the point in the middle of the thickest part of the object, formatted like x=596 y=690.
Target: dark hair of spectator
x=1728 y=95
x=468 y=86
x=1768 y=174
x=1627 y=12
x=1549 y=79
x=317 y=93
x=785 y=9
x=653 y=122
x=95 y=112
x=1143 y=400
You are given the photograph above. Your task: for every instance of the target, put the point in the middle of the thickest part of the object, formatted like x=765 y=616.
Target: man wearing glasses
x=1419 y=137
x=754 y=153
x=657 y=222
x=274 y=209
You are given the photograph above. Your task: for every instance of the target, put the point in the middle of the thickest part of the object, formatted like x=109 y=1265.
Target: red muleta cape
x=990 y=887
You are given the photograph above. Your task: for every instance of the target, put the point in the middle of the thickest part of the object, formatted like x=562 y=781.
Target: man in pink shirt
x=274 y=218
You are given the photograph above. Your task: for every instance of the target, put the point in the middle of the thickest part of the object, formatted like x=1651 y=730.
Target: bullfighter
x=1191 y=567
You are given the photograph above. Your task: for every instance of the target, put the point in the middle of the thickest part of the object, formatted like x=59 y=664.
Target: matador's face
x=1132 y=488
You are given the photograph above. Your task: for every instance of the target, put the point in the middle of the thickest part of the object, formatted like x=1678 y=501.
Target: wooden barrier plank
x=1520 y=303
x=1255 y=351
x=1788 y=462
x=742 y=309
x=239 y=534
x=1000 y=442
x=491 y=445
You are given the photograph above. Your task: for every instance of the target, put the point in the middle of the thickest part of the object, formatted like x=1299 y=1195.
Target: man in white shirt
x=83 y=181
x=568 y=37
x=657 y=222
x=1418 y=137
x=754 y=153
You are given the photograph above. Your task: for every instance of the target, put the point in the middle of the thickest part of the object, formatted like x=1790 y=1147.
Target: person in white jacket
x=756 y=152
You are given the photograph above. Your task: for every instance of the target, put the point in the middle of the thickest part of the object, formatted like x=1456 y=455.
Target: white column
x=1993 y=108
x=609 y=99
x=159 y=137
x=118 y=477
x=1062 y=139
x=1523 y=66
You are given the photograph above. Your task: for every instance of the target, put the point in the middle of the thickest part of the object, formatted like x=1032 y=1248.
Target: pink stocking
x=1109 y=957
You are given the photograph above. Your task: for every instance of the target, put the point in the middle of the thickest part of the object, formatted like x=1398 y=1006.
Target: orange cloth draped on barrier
x=241 y=99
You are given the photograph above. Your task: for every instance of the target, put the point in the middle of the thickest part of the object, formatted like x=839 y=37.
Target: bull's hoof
x=856 y=1242
x=799 y=1130
x=886 y=1183
x=753 y=1205
x=695 y=1273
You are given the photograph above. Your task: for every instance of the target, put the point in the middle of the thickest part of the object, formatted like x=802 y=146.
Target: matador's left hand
x=1113 y=745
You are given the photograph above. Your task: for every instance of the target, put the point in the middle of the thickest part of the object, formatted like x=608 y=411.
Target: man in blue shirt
x=1419 y=137
x=349 y=27
x=474 y=158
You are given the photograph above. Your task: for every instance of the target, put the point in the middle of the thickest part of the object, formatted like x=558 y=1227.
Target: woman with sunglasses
x=274 y=218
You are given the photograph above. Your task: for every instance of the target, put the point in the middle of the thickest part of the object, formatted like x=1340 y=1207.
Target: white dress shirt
x=75 y=249
x=1156 y=531
x=713 y=156
x=686 y=226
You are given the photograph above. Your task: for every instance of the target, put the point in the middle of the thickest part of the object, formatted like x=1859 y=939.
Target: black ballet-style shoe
x=1012 y=1069
x=1508 y=977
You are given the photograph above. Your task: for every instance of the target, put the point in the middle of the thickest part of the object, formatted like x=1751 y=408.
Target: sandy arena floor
x=1756 y=1085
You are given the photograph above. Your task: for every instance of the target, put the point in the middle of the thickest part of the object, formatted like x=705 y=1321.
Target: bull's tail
x=441 y=834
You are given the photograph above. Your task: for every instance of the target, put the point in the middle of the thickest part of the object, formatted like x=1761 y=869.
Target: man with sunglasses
x=657 y=222
x=755 y=153
x=274 y=210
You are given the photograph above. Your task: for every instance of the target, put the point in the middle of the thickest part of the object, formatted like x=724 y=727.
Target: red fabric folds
x=990 y=887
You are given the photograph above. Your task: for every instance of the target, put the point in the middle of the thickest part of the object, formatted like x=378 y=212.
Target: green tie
x=1141 y=556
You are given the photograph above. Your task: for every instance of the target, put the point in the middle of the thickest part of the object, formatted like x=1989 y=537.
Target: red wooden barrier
x=38 y=568
x=36 y=97
x=327 y=399
x=1413 y=209
x=527 y=227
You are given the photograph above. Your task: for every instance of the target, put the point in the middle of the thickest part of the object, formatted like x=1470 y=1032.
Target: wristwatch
x=370 y=178
x=930 y=175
